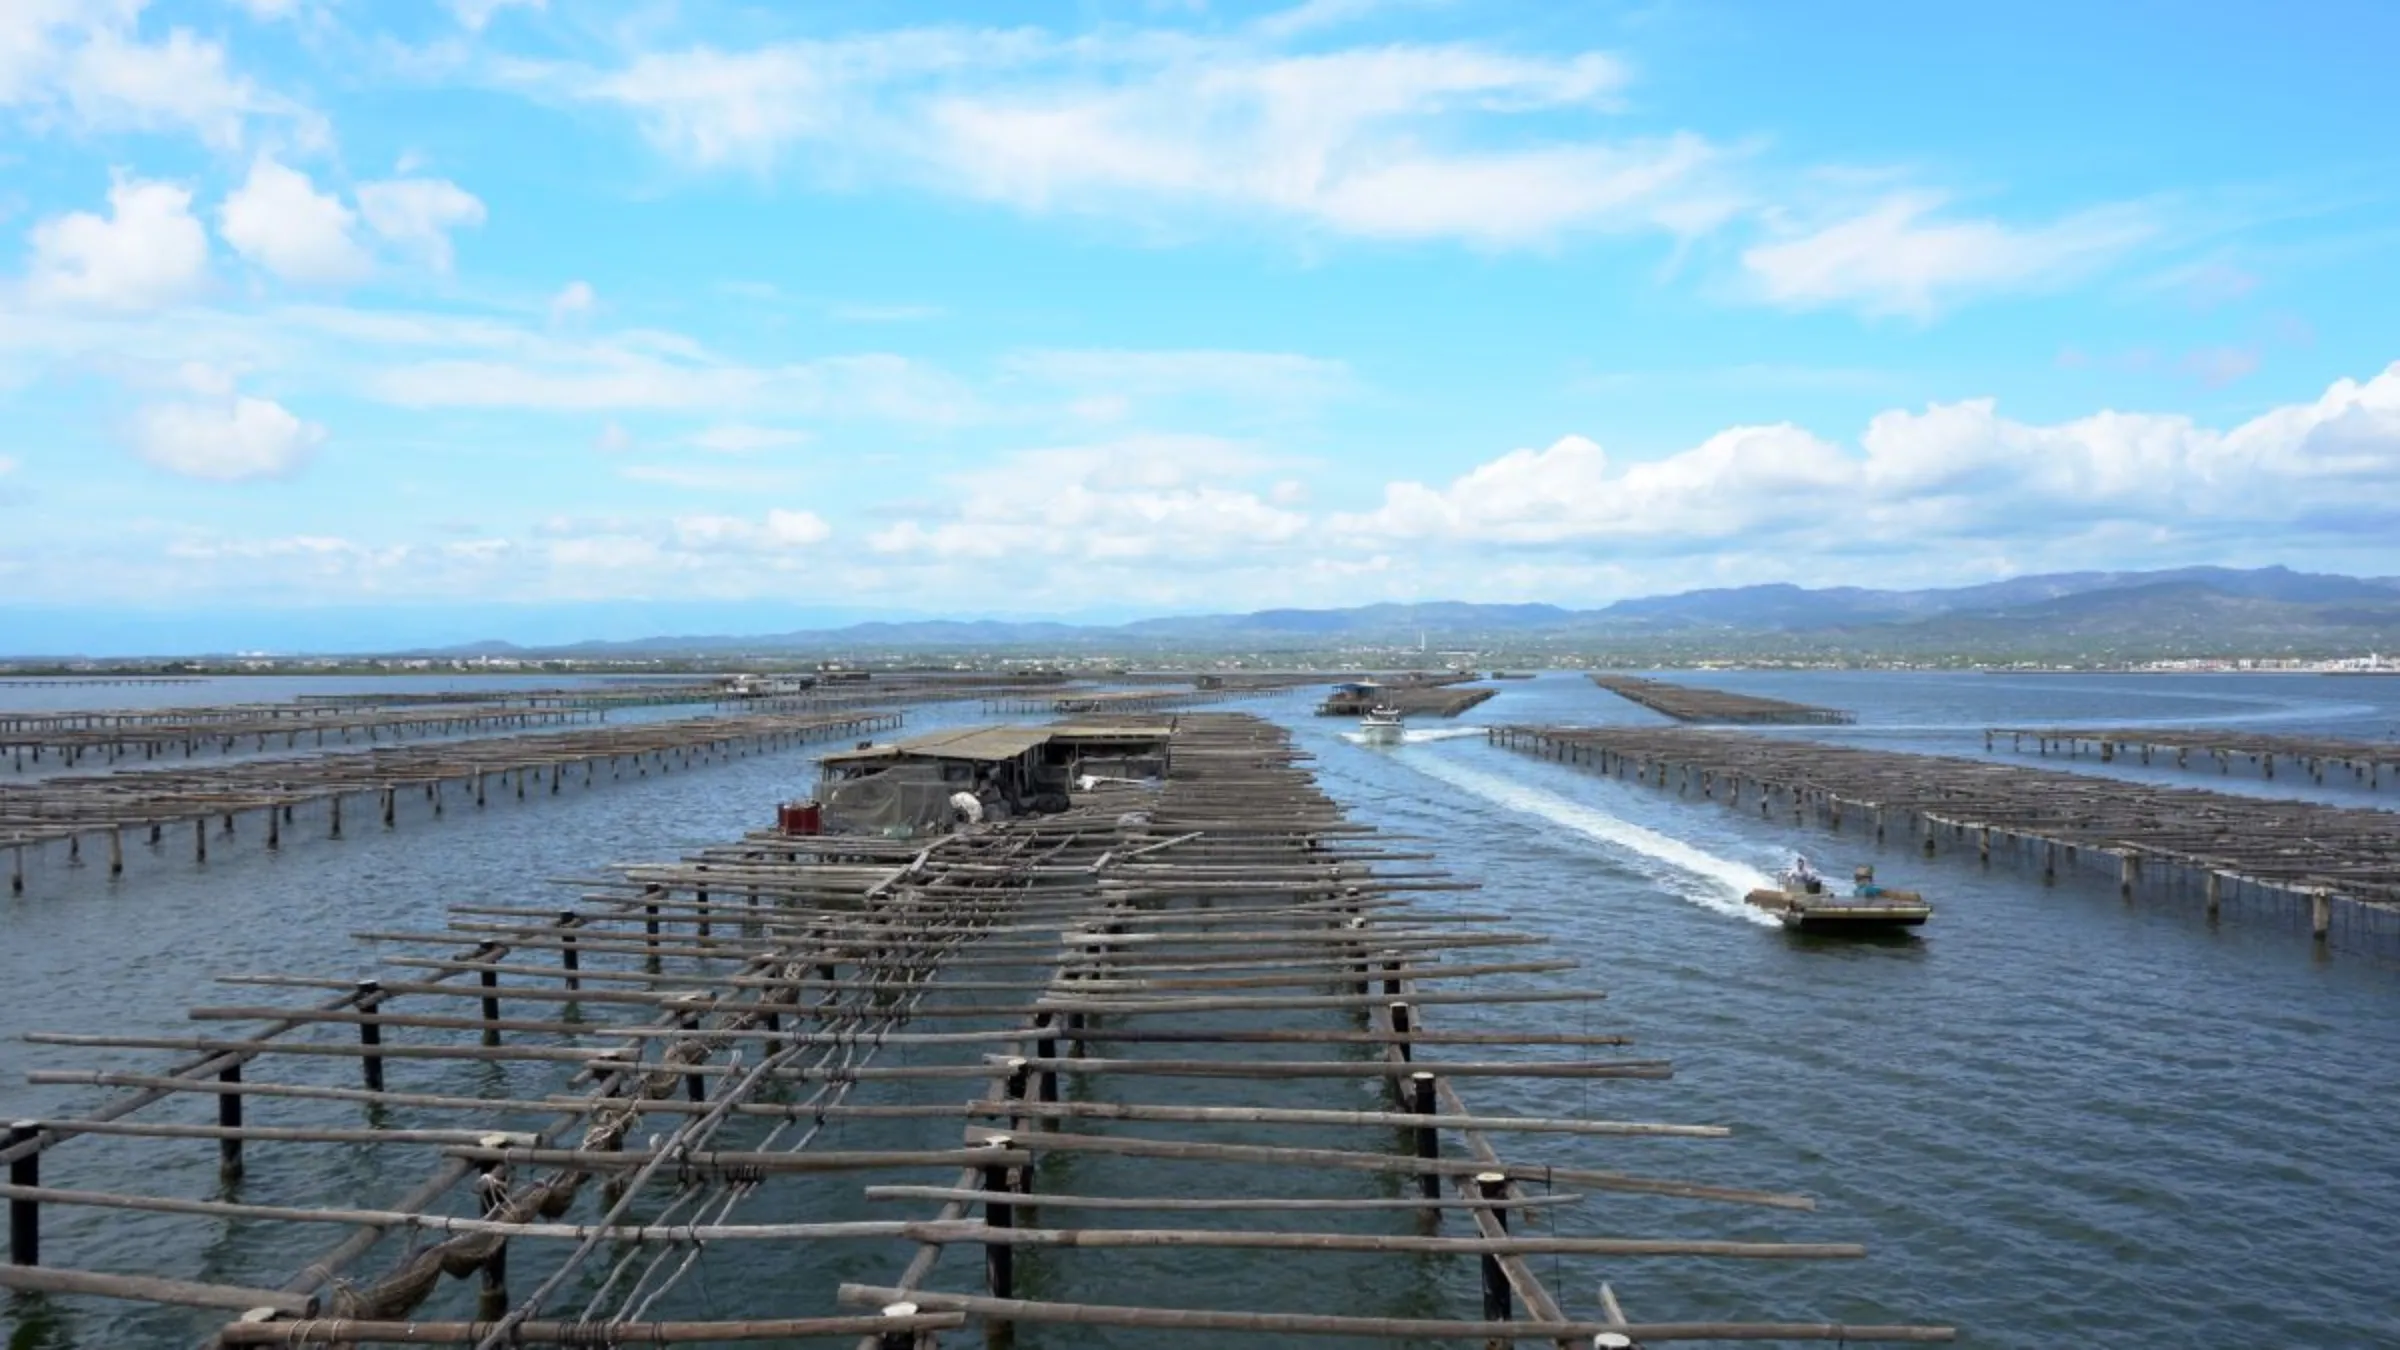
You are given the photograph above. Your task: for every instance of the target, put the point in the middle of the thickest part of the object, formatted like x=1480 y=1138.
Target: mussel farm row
x=2338 y=862
x=1011 y=1007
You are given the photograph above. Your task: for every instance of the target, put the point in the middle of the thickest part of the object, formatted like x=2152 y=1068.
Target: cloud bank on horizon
x=1152 y=307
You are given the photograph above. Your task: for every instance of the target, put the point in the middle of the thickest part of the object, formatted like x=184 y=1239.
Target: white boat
x=1381 y=726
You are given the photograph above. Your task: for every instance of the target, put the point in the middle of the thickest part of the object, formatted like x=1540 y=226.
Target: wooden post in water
x=1498 y=1306
x=491 y=1302
x=569 y=959
x=999 y=1262
x=1429 y=1140
x=2212 y=891
x=2320 y=913
x=229 y=1116
x=370 y=1032
x=903 y=1338
x=490 y=980
x=25 y=1216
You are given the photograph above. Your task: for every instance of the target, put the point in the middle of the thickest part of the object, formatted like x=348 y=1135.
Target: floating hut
x=904 y=788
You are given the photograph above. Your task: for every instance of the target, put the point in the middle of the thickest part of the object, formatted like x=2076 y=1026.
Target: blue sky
x=1109 y=309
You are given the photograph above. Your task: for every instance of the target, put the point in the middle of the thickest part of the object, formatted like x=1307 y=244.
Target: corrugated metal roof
x=983 y=745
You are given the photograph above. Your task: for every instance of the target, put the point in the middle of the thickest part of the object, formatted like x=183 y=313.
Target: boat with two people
x=1806 y=903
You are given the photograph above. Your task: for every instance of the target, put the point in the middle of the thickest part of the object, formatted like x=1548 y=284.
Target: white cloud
x=1155 y=498
x=741 y=439
x=474 y=14
x=619 y=377
x=84 y=63
x=226 y=440
x=264 y=10
x=1398 y=141
x=148 y=251
x=279 y=220
x=780 y=530
x=1953 y=472
x=418 y=215
x=8 y=465
x=1901 y=257
x=613 y=439
x=575 y=300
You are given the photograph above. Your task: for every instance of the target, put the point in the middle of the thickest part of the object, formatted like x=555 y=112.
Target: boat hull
x=1822 y=913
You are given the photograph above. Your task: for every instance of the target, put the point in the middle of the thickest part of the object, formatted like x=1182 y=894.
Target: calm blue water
x=2056 y=1119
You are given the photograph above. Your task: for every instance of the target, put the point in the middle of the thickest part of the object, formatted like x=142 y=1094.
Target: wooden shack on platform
x=1011 y=770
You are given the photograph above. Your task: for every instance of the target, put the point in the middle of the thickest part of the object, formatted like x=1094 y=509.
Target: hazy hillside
x=2184 y=611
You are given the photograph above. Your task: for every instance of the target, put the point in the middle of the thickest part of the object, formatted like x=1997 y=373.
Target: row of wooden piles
x=2368 y=763
x=1175 y=1060
x=2334 y=861
x=69 y=739
x=1694 y=703
x=211 y=799
x=1418 y=699
x=1087 y=702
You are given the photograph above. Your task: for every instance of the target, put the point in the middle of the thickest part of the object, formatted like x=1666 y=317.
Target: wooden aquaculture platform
x=801 y=1087
x=14 y=722
x=71 y=739
x=1691 y=703
x=1414 y=700
x=2334 y=860
x=615 y=694
x=103 y=806
x=2368 y=763
x=41 y=681
x=1106 y=701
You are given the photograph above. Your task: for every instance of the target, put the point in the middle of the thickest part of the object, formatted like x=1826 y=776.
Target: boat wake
x=1690 y=873
x=1415 y=737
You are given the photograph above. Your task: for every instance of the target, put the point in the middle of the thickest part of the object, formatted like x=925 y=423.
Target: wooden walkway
x=1690 y=703
x=983 y=1015
x=2368 y=763
x=104 y=806
x=2159 y=838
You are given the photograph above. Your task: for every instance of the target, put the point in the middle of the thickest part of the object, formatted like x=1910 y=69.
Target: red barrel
x=800 y=818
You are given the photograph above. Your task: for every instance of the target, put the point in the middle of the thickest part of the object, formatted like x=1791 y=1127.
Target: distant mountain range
x=2193 y=610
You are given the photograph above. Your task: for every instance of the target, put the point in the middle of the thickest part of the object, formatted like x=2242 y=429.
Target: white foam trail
x=1705 y=879
x=1416 y=737
x=1439 y=734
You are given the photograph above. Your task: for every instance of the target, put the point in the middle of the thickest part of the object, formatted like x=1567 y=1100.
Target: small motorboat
x=1382 y=725
x=1806 y=904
